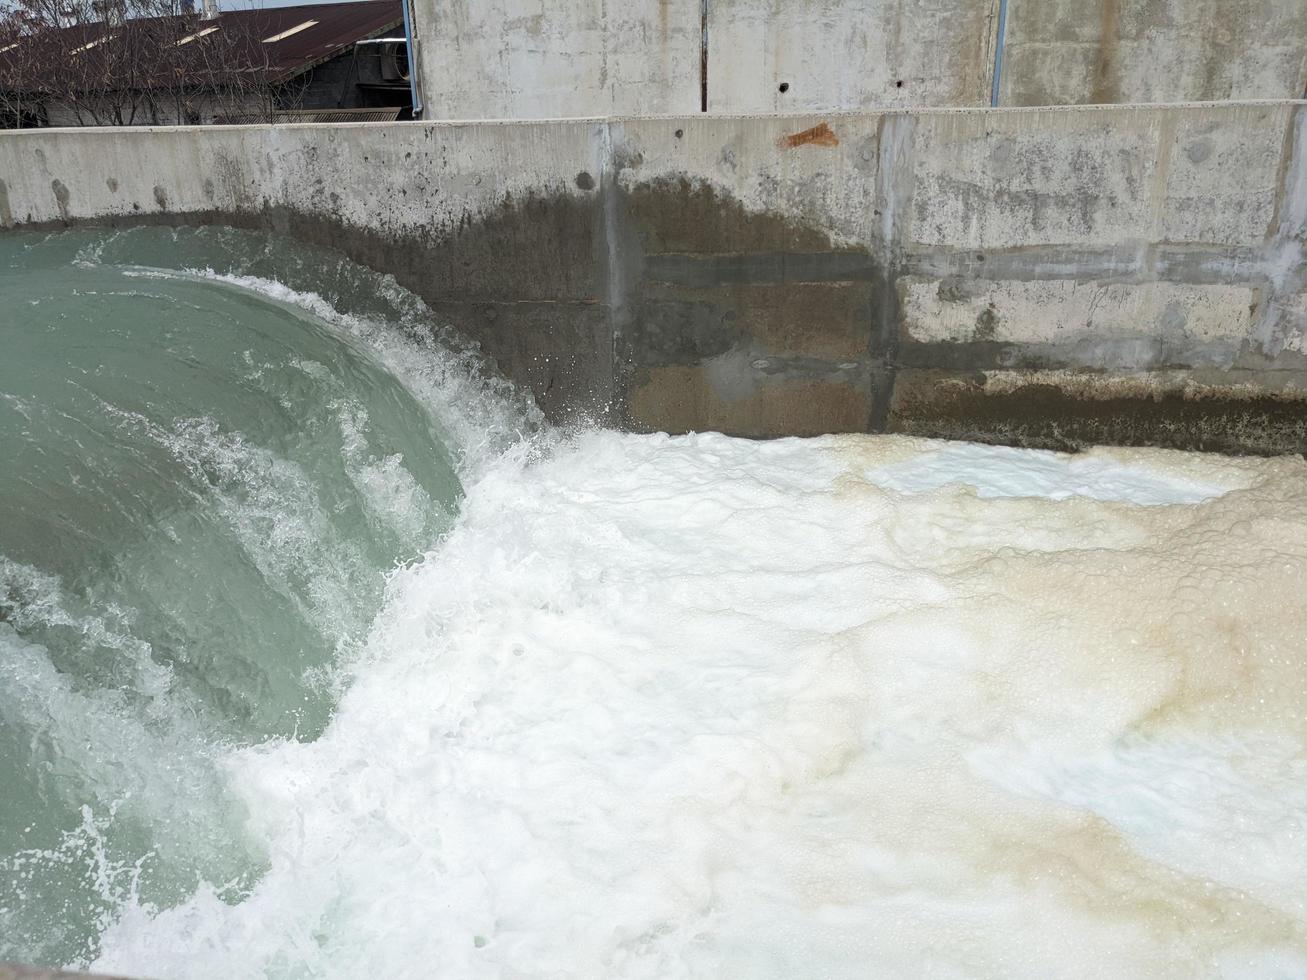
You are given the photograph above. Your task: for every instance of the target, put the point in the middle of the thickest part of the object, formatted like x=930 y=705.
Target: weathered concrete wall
x=520 y=59
x=523 y=59
x=834 y=55
x=490 y=223
x=1045 y=277
x=1138 y=267
x=1105 y=51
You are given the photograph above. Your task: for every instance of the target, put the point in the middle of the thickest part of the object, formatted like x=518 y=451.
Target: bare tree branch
x=129 y=62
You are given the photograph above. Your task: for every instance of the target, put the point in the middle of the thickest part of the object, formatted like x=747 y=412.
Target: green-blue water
x=202 y=487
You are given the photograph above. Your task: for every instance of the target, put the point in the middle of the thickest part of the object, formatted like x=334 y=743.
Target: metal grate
x=284 y=116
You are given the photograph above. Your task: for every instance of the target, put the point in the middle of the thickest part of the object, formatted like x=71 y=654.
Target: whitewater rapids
x=855 y=706
x=649 y=706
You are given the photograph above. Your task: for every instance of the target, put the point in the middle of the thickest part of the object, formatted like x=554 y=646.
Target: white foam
x=1230 y=808
x=1001 y=471
x=697 y=706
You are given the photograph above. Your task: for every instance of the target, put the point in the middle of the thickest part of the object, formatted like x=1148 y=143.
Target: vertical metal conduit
x=998 y=52
x=410 y=45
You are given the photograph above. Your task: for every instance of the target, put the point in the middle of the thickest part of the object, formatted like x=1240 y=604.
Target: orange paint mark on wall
x=821 y=135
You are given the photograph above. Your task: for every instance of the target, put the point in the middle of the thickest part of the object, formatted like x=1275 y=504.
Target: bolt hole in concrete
x=443 y=690
x=679 y=133
x=784 y=87
x=899 y=83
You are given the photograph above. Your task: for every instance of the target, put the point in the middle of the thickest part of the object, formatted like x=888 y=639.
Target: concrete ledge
x=774 y=275
x=1065 y=411
x=12 y=971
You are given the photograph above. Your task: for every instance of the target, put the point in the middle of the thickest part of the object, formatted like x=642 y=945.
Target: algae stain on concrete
x=61 y=198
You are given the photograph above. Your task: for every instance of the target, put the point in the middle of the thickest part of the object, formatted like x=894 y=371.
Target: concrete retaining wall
x=1100 y=51
x=1049 y=277
x=834 y=55
x=519 y=59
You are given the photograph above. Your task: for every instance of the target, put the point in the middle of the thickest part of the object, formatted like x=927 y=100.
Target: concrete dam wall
x=519 y=59
x=1045 y=277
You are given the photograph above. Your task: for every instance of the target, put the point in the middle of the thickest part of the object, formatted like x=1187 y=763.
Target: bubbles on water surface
x=738 y=708
x=660 y=707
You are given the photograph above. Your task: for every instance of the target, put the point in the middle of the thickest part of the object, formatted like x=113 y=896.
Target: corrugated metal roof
x=338 y=26
x=329 y=29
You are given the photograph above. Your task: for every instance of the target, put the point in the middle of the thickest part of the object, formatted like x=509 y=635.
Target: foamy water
x=648 y=706
x=706 y=707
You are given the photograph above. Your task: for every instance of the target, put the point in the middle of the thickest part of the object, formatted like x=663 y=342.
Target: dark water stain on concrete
x=678 y=215
x=668 y=304
x=741 y=319
x=522 y=280
x=1048 y=416
x=986 y=324
x=6 y=213
x=61 y=198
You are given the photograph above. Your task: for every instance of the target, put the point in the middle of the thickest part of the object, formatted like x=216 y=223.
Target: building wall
x=335 y=83
x=65 y=115
x=59 y=113
x=351 y=80
x=849 y=54
x=521 y=59
x=1097 y=51
x=1051 y=277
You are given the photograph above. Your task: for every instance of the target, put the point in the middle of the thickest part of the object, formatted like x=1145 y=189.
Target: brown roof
x=124 y=52
x=338 y=26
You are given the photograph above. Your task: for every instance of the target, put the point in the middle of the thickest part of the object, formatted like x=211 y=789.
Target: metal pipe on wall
x=998 y=52
x=415 y=90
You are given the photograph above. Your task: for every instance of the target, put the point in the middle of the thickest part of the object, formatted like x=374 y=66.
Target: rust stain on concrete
x=1106 y=71
x=820 y=135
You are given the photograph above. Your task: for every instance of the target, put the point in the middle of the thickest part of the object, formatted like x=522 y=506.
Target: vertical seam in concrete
x=894 y=179
x=703 y=55
x=1161 y=178
x=614 y=281
x=1148 y=261
x=1282 y=214
x=1283 y=261
x=605 y=90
